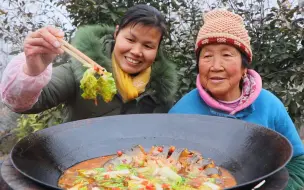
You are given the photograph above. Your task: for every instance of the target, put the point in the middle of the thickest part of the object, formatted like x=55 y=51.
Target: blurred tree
x=17 y=19
x=277 y=38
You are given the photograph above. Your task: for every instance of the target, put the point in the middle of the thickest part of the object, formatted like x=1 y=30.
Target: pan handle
x=259 y=185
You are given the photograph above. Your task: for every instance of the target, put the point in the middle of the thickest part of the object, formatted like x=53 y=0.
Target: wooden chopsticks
x=85 y=60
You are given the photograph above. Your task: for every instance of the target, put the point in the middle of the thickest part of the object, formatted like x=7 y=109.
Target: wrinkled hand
x=41 y=48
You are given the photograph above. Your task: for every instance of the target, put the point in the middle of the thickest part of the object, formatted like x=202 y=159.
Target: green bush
x=30 y=123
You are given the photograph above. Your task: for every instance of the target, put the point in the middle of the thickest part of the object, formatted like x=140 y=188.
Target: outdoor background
x=276 y=29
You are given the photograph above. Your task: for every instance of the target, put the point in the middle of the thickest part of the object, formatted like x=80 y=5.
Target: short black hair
x=145 y=15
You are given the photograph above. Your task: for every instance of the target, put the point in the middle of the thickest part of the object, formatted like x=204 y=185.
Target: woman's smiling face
x=136 y=47
x=220 y=71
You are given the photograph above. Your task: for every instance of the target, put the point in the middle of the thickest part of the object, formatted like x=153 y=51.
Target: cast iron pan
x=250 y=152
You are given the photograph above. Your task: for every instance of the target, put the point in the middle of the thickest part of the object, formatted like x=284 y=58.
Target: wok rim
x=252 y=182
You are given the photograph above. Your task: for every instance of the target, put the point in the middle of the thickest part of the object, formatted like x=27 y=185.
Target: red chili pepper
x=96 y=68
x=160 y=149
x=106 y=176
x=150 y=187
x=141 y=176
x=119 y=153
x=144 y=183
x=165 y=186
x=172 y=149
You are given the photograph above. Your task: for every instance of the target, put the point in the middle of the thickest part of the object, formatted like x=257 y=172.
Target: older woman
x=226 y=86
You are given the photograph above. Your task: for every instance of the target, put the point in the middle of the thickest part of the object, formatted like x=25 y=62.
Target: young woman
x=226 y=87
x=145 y=79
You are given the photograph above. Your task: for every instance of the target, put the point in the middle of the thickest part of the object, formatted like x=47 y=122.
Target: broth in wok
x=162 y=168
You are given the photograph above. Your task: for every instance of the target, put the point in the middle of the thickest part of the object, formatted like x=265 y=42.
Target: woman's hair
x=145 y=15
x=245 y=61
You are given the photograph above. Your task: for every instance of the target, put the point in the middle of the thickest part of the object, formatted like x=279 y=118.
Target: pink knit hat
x=222 y=26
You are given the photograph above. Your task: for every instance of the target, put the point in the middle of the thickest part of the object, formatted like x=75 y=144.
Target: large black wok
x=250 y=152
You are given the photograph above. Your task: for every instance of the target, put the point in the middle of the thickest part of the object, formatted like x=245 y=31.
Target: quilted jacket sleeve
x=296 y=173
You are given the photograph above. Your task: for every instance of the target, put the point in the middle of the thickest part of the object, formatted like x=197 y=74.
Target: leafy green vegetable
x=133 y=171
x=99 y=169
x=94 y=84
x=113 y=182
x=98 y=178
x=122 y=167
x=83 y=188
x=81 y=180
x=88 y=84
x=212 y=180
x=106 y=87
x=170 y=174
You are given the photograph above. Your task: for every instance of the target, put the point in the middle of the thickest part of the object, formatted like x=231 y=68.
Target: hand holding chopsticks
x=41 y=48
x=85 y=60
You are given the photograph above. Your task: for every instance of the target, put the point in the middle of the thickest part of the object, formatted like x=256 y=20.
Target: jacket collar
x=239 y=115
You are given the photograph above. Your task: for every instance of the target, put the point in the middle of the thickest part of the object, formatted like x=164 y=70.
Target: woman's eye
x=148 y=46
x=227 y=54
x=130 y=39
x=207 y=56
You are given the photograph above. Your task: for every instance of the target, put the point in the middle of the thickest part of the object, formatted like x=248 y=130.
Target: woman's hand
x=41 y=48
